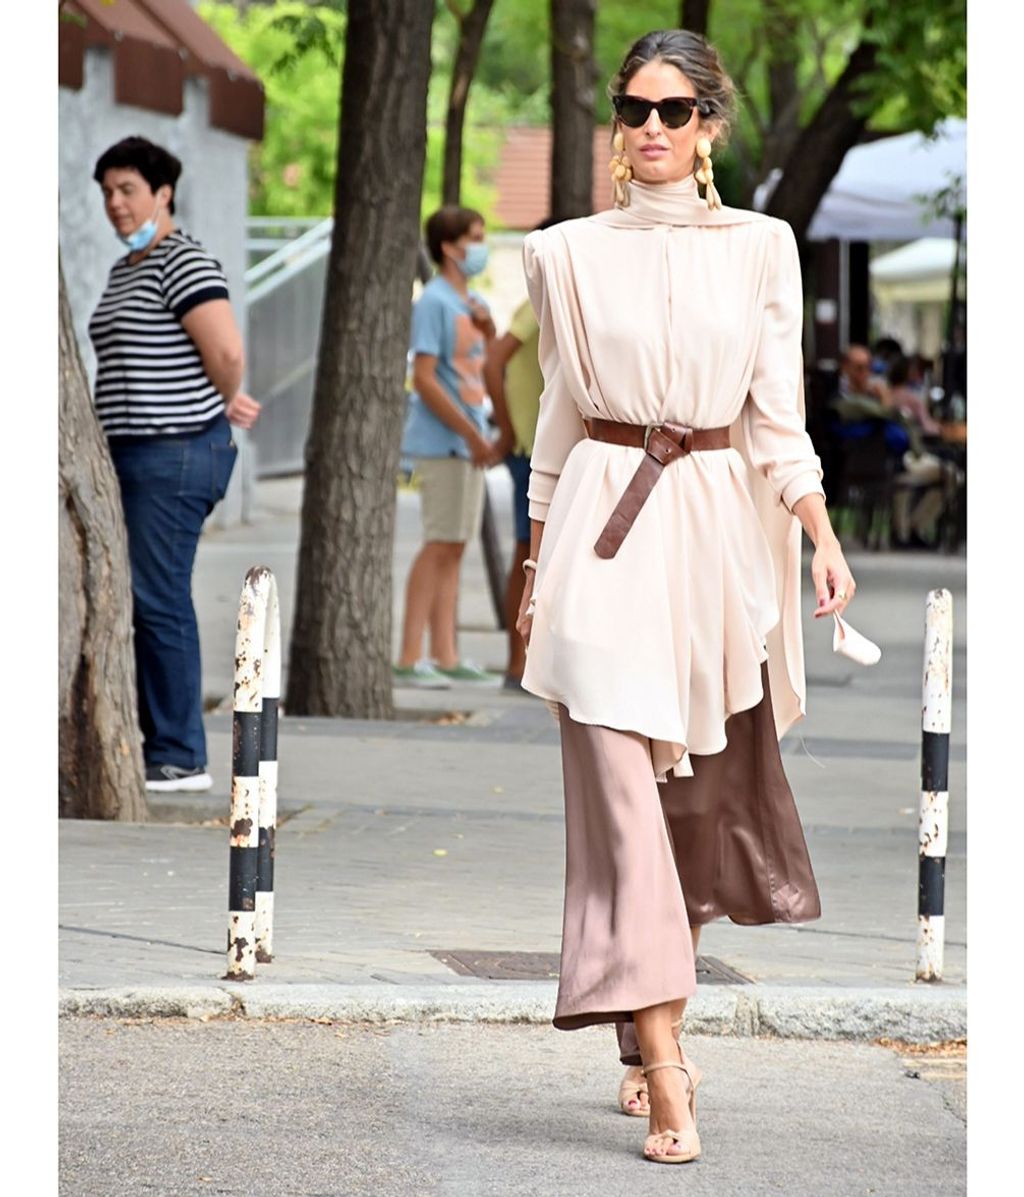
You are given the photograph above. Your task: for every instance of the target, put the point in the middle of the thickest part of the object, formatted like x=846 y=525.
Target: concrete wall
x=211 y=200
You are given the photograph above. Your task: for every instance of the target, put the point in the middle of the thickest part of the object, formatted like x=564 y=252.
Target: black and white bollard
x=254 y=775
x=933 y=816
x=268 y=784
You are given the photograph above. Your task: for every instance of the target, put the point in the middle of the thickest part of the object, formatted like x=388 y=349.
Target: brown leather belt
x=661 y=443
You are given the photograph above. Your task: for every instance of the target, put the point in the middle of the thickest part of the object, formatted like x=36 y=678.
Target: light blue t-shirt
x=442 y=326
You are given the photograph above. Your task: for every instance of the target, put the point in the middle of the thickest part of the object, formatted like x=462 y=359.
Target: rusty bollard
x=933 y=816
x=254 y=776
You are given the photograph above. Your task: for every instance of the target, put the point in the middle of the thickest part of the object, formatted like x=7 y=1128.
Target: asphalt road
x=176 y=1108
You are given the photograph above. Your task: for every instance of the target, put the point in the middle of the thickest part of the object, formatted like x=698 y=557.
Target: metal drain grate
x=712 y=971
x=543 y=966
x=502 y=966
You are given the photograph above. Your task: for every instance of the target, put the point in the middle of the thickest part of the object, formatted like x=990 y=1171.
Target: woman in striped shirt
x=167 y=390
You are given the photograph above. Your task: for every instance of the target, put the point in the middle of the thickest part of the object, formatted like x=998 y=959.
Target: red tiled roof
x=523 y=177
x=155 y=44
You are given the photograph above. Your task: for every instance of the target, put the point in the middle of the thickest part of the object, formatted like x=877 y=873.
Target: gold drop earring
x=621 y=171
x=704 y=174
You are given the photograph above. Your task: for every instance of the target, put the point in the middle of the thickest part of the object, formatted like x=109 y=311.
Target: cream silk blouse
x=666 y=311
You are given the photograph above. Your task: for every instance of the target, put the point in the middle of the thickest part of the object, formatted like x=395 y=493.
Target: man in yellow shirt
x=514 y=382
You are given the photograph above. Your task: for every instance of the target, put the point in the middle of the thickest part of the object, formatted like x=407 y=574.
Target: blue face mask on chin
x=475 y=260
x=143 y=236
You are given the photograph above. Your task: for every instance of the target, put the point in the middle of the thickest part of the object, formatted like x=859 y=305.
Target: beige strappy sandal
x=631 y=1089
x=689 y=1141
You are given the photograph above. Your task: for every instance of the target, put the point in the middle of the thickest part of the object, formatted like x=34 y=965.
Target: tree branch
x=471 y=35
x=740 y=77
x=781 y=28
x=815 y=158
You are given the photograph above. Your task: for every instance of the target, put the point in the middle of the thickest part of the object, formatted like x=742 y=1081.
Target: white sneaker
x=421 y=676
x=168 y=778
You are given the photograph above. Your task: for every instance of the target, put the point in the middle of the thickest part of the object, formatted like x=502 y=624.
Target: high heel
x=630 y=1089
x=688 y=1141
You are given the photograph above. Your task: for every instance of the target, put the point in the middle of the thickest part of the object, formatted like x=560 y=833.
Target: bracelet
x=529 y=564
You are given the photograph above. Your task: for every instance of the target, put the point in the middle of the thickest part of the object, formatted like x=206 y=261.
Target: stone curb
x=787 y=1012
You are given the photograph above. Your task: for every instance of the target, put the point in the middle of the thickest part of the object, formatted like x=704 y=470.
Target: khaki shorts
x=452 y=498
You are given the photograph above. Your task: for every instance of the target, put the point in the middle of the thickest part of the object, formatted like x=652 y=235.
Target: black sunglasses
x=674 y=113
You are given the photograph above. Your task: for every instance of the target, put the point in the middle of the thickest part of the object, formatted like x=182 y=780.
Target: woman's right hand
x=243 y=410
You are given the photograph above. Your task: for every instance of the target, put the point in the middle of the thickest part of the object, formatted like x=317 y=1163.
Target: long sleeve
x=559 y=425
x=773 y=414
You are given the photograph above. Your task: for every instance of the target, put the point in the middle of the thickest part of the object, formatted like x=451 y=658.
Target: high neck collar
x=666 y=201
x=652 y=204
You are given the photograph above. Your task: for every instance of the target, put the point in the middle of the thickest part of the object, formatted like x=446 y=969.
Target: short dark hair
x=899 y=371
x=158 y=166
x=448 y=224
x=888 y=348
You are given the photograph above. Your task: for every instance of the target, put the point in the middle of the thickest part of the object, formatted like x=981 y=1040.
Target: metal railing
x=284 y=297
x=264 y=235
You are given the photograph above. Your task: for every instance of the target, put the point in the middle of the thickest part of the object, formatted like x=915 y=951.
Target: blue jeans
x=169 y=485
x=519 y=467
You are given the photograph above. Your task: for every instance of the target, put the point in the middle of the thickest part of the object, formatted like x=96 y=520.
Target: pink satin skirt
x=646 y=860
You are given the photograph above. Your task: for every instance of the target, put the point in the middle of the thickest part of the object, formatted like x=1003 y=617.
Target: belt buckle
x=686 y=444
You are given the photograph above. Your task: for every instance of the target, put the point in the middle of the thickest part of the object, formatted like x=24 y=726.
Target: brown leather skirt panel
x=736 y=834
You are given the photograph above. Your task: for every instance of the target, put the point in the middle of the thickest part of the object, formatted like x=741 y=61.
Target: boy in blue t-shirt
x=446 y=432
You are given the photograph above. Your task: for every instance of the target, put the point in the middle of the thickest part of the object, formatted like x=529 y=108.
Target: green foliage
x=922 y=62
x=920 y=73
x=295 y=48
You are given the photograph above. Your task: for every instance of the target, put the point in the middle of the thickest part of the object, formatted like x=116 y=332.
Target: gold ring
x=841 y=595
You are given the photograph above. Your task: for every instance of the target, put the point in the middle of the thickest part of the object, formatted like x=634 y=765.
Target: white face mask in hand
x=848 y=642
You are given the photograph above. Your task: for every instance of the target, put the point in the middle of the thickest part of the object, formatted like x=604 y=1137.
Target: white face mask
x=143 y=236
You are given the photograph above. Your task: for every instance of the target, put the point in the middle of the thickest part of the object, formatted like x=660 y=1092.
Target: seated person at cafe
x=906 y=394
x=861 y=401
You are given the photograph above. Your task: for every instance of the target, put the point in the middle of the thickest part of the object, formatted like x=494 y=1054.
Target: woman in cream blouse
x=662 y=602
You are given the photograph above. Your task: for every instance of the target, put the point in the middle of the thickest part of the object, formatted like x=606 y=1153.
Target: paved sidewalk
x=441 y=832
x=306 y=1110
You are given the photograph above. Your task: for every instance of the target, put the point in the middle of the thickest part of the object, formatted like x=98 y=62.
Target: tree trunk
x=815 y=159
x=471 y=35
x=693 y=15
x=100 y=772
x=572 y=108
x=340 y=661
x=781 y=32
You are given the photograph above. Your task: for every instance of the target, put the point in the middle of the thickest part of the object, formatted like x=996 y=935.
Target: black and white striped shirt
x=150 y=379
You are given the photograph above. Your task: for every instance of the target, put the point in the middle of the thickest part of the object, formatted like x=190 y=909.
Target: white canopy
x=915 y=273
x=881 y=191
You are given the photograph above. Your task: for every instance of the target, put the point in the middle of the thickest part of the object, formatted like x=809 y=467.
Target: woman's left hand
x=833 y=582
x=243 y=410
